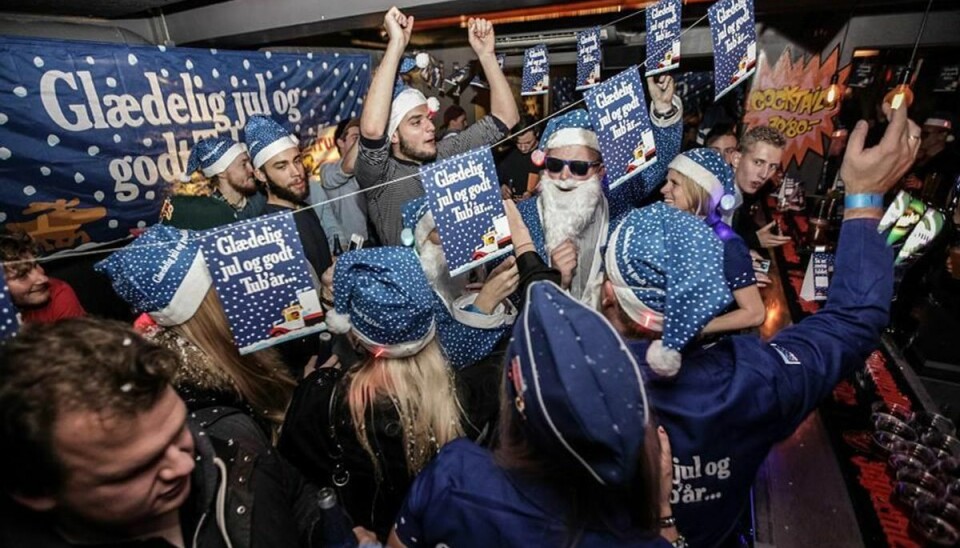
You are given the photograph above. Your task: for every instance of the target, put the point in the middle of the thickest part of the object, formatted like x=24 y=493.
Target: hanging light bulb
x=832 y=98
x=902 y=95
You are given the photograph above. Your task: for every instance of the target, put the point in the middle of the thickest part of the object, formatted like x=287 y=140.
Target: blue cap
x=212 y=156
x=666 y=267
x=266 y=138
x=707 y=169
x=161 y=273
x=576 y=385
x=382 y=294
x=572 y=128
x=413 y=211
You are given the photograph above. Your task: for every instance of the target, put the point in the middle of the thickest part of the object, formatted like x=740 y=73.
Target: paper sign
x=464 y=196
x=9 y=321
x=663 y=36
x=618 y=111
x=816 y=280
x=734 y=33
x=589 y=57
x=480 y=79
x=536 y=71
x=862 y=75
x=260 y=274
x=948 y=79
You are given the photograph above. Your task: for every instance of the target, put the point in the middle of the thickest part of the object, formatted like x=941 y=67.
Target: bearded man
x=470 y=323
x=569 y=220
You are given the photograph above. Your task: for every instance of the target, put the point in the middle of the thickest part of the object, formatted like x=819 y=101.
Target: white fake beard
x=434 y=264
x=567 y=213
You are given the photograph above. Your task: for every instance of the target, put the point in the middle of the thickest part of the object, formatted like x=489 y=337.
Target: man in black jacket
x=100 y=451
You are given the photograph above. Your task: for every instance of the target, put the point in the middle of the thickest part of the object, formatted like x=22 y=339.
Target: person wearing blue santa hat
x=579 y=460
x=234 y=194
x=397 y=134
x=469 y=323
x=733 y=400
x=572 y=215
x=700 y=182
x=369 y=430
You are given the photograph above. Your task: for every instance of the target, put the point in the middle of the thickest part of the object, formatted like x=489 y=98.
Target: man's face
x=127 y=474
x=726 y=145
x=932 y=137
x=526 y=142
x=459 y=123
x=284 y=176
x=28 y=284
x=239 y=175
x=415 y=135
x=754 y=166
x=564 y=166
x=347 y=140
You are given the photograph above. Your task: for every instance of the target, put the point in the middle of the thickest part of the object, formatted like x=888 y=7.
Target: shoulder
x=195 y=212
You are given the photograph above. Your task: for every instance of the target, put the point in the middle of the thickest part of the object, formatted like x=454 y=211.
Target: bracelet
x=854 y=201
x=680 y=542
x=668 y=522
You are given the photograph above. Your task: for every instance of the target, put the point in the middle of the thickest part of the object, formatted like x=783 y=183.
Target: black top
x=514 y=170
x=312 y=236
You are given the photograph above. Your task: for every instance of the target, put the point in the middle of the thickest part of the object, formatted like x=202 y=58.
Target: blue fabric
x=737 y=262
x=148 y=272
x=731 y=402
x=712 y=161
x=464 y=345
x=206 y=153
x=261 y=132
x=413 y=211
x=575 y=119
x=582 y=390
x=386 y=294
x=672 y=262
x=464 y=499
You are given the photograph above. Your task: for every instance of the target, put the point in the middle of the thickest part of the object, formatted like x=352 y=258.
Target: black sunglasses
x=578 y=168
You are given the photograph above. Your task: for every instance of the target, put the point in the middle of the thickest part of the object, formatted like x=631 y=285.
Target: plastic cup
x=895 y=409
x=924 y=420
x=889 y=423
x=934 y=530
x=884 y=442
x=922 y=479
x=948 y=469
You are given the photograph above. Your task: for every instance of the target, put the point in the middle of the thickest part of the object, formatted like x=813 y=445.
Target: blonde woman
x=697 y=182
x=370 y=430
x=163 y=274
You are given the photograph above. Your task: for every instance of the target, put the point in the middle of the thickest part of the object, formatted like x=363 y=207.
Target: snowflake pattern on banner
x=91 y=133
x=464 y=195
x=536 y=71
x=9 y=323
x=663 y=36
x=589 y=58
x=618 y=110
x=734 y=32
x=480 y=79
x=261 y=277
x=562 y=92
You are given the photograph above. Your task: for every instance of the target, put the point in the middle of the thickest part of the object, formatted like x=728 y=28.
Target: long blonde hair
x=699 y=197
x=422 y=390
x=260 y=378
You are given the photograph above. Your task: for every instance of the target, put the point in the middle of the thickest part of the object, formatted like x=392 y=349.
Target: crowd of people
x=600 y=386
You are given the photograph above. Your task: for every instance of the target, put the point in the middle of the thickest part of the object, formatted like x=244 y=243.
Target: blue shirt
x=737 y=263
x=464 y=499
x=733 y=401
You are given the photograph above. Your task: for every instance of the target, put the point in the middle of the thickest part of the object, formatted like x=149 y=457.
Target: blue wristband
x=854 y=201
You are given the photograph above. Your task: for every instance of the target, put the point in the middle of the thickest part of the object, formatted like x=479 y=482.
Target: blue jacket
x=733 y=401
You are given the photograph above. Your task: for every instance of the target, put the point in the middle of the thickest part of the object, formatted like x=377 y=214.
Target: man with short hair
x=454 y=121
x=277 y=164
x=723 y=139
x=38 y=297
x=756 y=161
x=732 y=400
x=347 y=215
x=234 y=190
x=517 y=173
x=397 y=137
x=100 y=451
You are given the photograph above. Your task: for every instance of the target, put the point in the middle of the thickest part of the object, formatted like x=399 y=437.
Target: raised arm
x=821 y=349
x=482 y=40
x=376 y=108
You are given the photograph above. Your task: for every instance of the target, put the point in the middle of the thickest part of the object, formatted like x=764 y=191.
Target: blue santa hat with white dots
x=383 y=296
x=266 y=138
x=708 y=170
x=572 y=128
x=414 y=212
x=161 y=273
x=212 y=156
x=576 y=385
x=666 y=267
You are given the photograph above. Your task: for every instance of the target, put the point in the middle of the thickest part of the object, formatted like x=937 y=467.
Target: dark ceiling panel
x=104 y=9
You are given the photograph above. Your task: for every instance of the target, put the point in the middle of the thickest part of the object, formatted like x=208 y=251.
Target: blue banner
x=464 y=196
x=9 y=322
x=260 y=274
x=589 y=56
x=663 y=36
x=536 y=71
x=618 y=111
x=91 y=134
x=734 y=33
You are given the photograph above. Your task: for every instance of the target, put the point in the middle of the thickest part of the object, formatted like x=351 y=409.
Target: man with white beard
x=470 y=323
x=569 y=220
